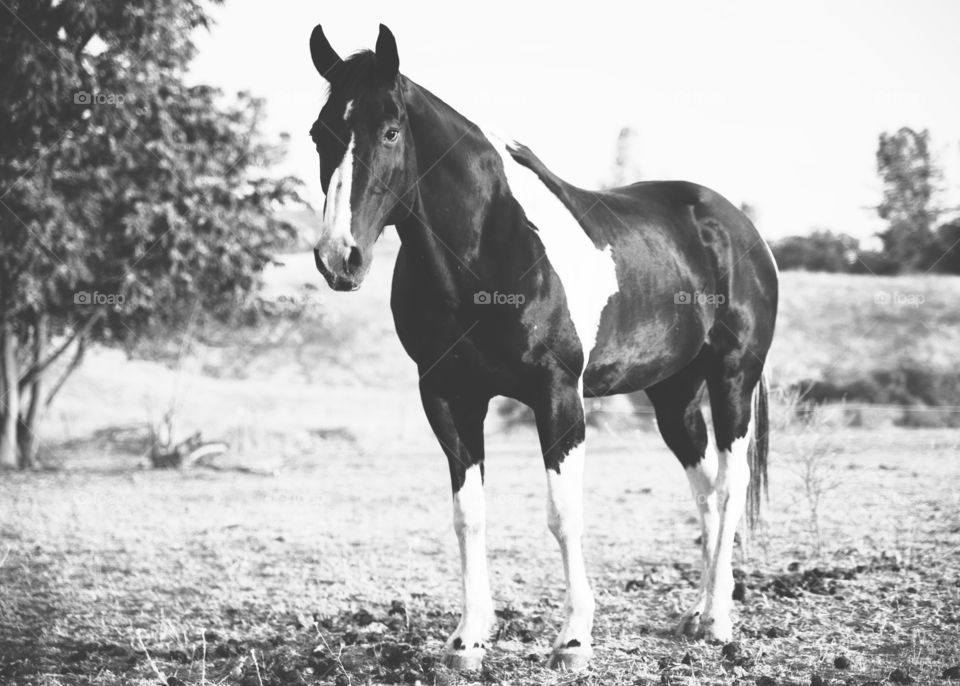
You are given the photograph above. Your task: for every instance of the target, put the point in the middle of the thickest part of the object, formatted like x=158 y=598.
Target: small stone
x=817 y=680
x=841 y=662
x=766 y=681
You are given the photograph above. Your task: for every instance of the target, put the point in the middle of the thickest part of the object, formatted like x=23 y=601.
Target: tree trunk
x=11 y=401
x=27 y=429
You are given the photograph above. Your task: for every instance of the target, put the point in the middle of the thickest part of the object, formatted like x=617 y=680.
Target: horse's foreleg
x=458 y=425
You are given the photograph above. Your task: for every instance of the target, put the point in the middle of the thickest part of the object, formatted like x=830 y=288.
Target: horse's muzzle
x=349 y=281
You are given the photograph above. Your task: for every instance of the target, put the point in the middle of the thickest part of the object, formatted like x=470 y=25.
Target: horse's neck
x=454 y=196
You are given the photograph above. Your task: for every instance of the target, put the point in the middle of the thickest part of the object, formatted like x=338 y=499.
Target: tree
x=821 y=251
x=909 y=175
x=946 y=258
x=127 y=199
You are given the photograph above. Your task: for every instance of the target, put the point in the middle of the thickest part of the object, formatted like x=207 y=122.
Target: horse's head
x=367 y=165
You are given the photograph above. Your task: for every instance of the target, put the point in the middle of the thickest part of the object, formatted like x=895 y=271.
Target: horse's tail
x=757 y=454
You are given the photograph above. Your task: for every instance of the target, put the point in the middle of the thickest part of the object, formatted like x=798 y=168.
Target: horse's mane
x=359 y=70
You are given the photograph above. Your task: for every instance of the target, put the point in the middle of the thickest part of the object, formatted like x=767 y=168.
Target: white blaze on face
x=337 y=214
x=588 y=275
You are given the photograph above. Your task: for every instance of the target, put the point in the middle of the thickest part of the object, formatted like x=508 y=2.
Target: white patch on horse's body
x=588 y=274
x=733 y=477
x=589 y=278
x=337 y=213
x=347 y=110
x=469 y=521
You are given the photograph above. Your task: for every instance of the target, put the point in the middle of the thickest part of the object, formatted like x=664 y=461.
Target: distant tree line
x=915 y=239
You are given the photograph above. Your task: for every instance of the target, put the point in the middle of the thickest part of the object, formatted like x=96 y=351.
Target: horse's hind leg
x=731 y=382
x=677 y=403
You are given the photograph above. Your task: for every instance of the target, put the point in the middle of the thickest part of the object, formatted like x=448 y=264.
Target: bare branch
x=38 y=369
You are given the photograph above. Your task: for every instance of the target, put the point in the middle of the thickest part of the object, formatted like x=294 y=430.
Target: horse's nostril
x=355 y=258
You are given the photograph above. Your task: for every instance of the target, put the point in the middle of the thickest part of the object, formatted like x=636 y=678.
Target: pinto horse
x=511 y=282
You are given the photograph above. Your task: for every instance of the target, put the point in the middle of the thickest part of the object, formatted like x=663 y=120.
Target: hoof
x=716 y=630
x=570 y=659
x=689 y=625
x=465 y=660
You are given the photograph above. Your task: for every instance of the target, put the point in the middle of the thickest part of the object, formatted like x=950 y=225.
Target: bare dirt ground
x=335 y=562
x=342 y=568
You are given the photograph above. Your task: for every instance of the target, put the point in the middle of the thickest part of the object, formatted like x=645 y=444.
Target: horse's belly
x=631 y=354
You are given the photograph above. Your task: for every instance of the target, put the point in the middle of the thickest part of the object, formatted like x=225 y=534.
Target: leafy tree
x=946 y=249
x=128 y=200
x=909 y=177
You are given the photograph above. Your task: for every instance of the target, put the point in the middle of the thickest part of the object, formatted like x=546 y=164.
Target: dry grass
x=98 y=561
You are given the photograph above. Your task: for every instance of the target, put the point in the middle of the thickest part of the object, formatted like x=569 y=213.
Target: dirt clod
x=817 y=680
x=363 y=617
x=841 y=662
x=731 y=652
x=952 y=672
x=397 y=608
x=898 y=676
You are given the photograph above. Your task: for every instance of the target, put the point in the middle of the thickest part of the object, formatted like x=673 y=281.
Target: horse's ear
x=325 y=58
x=387 y=59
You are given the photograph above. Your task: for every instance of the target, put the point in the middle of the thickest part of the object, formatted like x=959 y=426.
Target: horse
x=511 y=282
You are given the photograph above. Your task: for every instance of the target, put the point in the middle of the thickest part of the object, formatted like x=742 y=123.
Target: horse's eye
x=391 y=135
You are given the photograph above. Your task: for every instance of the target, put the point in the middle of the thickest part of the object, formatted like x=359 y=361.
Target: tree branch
x=71 y=368
x=38 y=369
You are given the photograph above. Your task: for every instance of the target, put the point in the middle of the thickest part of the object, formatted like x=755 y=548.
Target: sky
x=777 y=104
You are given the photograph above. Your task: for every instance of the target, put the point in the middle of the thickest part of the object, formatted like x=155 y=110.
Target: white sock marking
x=565 y=519
x=703 y=480
x=469 y=521
x=732 y=480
